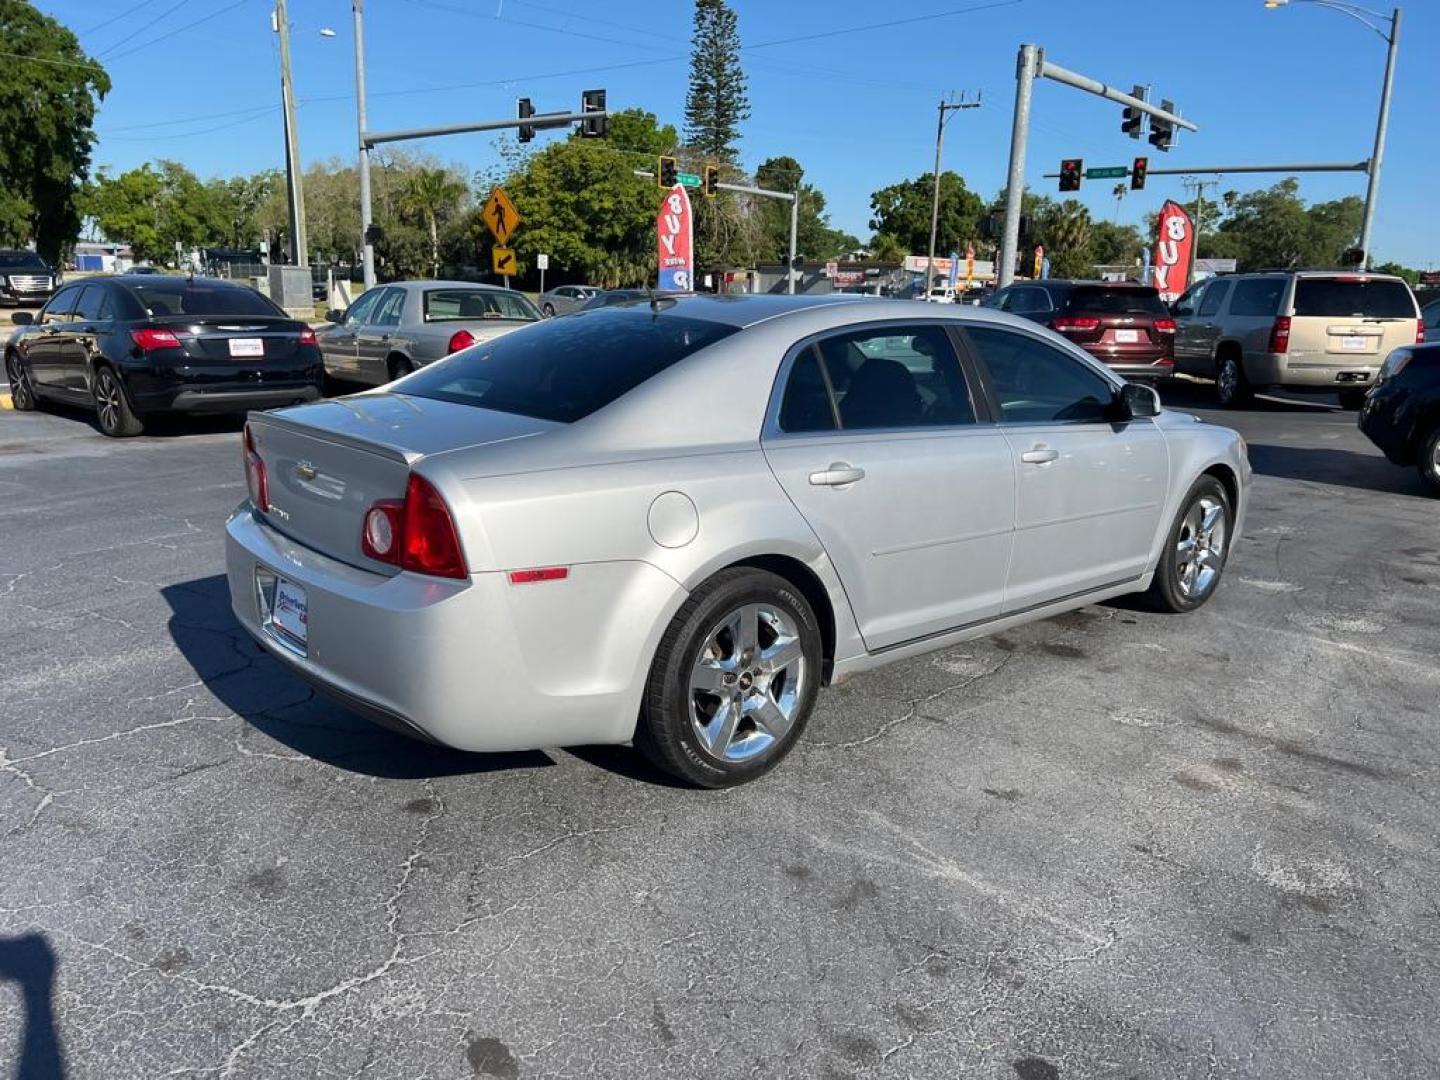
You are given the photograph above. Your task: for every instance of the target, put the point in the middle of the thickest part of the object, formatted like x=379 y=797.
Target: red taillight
x=461 y=339
x=1165 y=326
x=1068 y=324
x=1419 y=331
x=255 y=481
x=1280 y=335
x=150 y=340
x=307 y=336
x=544 y=573
x=417 y=533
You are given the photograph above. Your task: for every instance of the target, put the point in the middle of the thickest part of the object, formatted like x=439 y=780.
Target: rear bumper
x=161 y=391
x=223 y=401
x=1143 y=362
x=478 y=664
x=1279 y=369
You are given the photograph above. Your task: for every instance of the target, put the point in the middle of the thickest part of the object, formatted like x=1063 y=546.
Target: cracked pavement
x=1113 y=844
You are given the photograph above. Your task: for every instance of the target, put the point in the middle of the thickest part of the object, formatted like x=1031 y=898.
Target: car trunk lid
x=326 y=464
x=238 y=340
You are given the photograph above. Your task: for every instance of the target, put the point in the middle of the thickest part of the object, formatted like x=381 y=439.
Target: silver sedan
x=673 y=521
x=391 y=330
x=565 y=298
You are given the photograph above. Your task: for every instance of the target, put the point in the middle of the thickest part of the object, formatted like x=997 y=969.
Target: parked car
x=391 y=330
x=25 y=278
x=132 y=347
x=1430 y=320
x=610 y=297
x=1299 y=330
x=696 y=512
x=1121 y=323
x=144 y=270
x=1401 y=414
x=941 y=295
x=565 y=298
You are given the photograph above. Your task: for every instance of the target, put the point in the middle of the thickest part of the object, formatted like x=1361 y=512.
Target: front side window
x=60 y=305
x=566 y=369
x=387 y=311
x=1257 y=296
x=1036 y=383
x=883 y=377
x=1214 y=297
x=360 y=309
x=1185 y=305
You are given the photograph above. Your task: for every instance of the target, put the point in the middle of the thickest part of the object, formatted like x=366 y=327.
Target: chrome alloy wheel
x=1200 y=548
x=747 y=682
x=107 y=399
x=20 y=392
x=1228 y=381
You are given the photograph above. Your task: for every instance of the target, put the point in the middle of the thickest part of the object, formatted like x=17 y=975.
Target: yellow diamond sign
x=500 y=216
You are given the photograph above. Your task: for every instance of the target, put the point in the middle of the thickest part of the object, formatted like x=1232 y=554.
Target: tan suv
x=1317 y=330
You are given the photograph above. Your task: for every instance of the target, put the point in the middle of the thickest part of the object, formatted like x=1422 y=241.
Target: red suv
x=1120 y=323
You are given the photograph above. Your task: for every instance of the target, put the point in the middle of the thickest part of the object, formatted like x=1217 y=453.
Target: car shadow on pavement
x=1330 y=465
x=29 y=961
x=162 y=426
x=1187 y=394
x=259 y=689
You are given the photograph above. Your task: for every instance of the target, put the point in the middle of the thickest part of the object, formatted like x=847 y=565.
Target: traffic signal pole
x=367 y=258
x=1030 y=66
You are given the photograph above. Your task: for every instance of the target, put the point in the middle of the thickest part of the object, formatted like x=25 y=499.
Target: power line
x=882 y=25
x=190 y=119
x=142 y=28
x=116 y=18
x=179 y=30
x=268 y=111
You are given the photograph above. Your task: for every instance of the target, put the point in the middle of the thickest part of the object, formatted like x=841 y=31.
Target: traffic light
x=1070 y=172
x=667 y=175
x=1137 y=173
x=593 y=101
x=526 y=109
x=712 y=180
x=1162 y=132
x=1132 y=118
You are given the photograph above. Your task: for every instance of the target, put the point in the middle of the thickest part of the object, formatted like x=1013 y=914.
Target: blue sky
x=857 y=109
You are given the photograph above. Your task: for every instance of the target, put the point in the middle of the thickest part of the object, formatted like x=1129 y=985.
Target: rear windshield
x=443 y=304
x=21 y=260
x=1344 y=297
x=565 y=369
x=1103 y=301
x=180 y=298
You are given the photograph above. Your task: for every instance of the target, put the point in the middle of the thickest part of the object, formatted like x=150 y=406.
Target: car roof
x=748 y=309
x=175 y=279
x=442 y=284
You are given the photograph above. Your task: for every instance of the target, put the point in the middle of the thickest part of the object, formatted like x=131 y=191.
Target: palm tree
x=1121 y=190
x=432 y=194
x=1068 y=238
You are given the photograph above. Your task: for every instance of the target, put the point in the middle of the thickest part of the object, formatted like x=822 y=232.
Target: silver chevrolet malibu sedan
x=673 y=521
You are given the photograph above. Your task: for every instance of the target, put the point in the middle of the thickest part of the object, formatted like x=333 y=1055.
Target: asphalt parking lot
x=1114 y=844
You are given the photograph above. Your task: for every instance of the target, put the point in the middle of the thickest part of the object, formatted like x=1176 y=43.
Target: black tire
x=1168 y=591
x=1352 y=400
x=667 y=730
x=1428 y=460
x=22 y=393
x=548 y=310
x=1231 y=386
x=112 y=405
x=399 y=367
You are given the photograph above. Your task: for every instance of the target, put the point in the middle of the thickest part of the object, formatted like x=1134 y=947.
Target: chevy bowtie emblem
x=304 y=470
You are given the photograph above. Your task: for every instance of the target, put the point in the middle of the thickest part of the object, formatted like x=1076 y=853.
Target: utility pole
x=1372 y=189
x=1194 y=183
x=368 y=256
x=946 y=108
x=293 y=181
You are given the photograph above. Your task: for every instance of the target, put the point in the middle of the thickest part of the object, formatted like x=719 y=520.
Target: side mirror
x=1136 y=400
x=335 y=315
x=22 y=318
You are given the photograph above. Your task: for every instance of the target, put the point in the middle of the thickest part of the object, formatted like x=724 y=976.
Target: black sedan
x=1401 y=414
x=133 y=346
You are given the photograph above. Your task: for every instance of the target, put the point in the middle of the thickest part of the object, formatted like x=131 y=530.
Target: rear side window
x=1354 y=297
x=92 y=299
x=183 y=298
x=1257 y=296
x=1102 y=301
x=565 y=369
x=1214 y=297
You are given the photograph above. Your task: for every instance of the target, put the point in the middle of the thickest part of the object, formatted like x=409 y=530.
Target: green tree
x=814 y=238
x=640 y=132
x=1066 y=236
x=1268 y=227
x=1115 y=245
x=433 y=195
x=886 y=249
x=49 y=90
x=153 y=209
x=715 y=103
x=903 y=211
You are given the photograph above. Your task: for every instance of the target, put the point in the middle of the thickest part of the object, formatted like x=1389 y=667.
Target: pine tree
x=716 y=103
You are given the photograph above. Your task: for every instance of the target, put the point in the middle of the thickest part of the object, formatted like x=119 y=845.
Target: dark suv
x=1120 y=323
x=25 y=278
x=1401 y=413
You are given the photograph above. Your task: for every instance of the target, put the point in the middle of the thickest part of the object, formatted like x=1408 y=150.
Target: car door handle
x=1041 y=455
x=838 y=474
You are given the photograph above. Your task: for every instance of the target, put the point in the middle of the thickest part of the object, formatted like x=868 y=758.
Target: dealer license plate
x=247 y=346
x=290 y=612
x=1127 y=337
